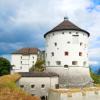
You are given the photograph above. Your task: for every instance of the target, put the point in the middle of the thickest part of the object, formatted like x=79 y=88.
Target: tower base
x=72 y=76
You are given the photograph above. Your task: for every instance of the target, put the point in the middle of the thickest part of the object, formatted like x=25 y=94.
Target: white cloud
x=48 y=13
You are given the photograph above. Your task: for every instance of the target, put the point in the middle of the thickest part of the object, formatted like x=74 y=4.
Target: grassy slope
x=9 y=90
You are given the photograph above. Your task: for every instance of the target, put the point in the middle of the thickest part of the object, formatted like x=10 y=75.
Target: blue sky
x=24 y=22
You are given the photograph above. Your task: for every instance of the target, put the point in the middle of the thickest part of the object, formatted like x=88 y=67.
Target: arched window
x=66 y=53
x=80 y=53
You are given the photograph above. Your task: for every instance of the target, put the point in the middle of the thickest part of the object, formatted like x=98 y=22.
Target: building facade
x=38 y=83
x=67 y=53
x=24 y=59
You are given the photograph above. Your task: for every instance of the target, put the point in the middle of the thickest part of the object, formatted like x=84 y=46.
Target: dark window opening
x=52 y=53
x=62 y=32
x=80 y=53
x=42 y=86
x=22 y=86
x=65 y=66
x=74 y=62
x=70 y=32
x=81 y=43
x=58 y=62
x=43 y=98
x=32 y=86
x=68 y=42
x=66 y=53
x=55 y=44
x=57 y=86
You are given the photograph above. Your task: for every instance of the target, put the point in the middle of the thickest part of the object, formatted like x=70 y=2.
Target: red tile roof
x=27 y=51
x=66 y=25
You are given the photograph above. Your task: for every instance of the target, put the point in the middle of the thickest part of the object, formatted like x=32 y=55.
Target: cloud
x=24 y=22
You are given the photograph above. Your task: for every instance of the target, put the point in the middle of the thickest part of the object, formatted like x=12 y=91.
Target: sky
x=24 y=22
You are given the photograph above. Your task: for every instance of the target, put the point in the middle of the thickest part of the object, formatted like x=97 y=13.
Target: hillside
x=9 y=90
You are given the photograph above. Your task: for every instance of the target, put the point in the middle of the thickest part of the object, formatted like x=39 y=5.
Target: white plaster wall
x=22 y=63
x=72 y=76
x=49 y=82
x=63 y=46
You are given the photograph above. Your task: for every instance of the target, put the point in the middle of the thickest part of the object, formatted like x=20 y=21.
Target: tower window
x=81 y=43
x=76 y=32
x=22 y=86
x=70 y=32
x=42 y=86
x=74 y=62
x=58 y=62
x=53 y=34
x=66 y=53
x=32 y=86
x=80 y=53
x=62 y=32
x=21 y=62
x=52 y=53
x=68 y=42
x=55 y=43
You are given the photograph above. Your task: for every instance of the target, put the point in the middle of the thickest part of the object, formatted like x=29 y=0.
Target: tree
x=4 y=66
x=39 y=66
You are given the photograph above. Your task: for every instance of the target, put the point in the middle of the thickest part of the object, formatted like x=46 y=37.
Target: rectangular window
x=52 y=53
x=80 y=53
x=74 y=62
x=42 y=86
x=66 y=53
x=75 y=39
x=22 y=86
x=32 y=86
x=55 y=44
x=58 y=62
x=81 y=43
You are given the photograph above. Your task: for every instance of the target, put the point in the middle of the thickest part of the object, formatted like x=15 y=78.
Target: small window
x=22 y=86
x=33 y=57
x=62 y=32
x=21 y=57
x=68 y=42
x=80 y=53
x=42 y=86
x=76 y=32
x=66 y=53
x=70 y=32
x=81 y=43
x=33 y=62
x=55 y=43
x=58 y=62
x=53 y=34
x=74 y=62
x=21 y=62
x=52 y=53
x=32 y=86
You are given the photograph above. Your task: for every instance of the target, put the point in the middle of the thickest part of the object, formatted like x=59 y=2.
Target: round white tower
x=66 y=53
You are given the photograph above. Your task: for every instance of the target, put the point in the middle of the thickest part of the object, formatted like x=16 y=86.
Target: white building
x=23 y=59
x=67 y=54
x=38 y=83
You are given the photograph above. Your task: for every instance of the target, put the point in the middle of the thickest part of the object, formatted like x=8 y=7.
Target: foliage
x=39 y=66
x=8 y=89
x=4 y=66
x=95 y=77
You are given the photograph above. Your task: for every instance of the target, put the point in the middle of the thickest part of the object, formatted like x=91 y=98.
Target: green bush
x=95 y=77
